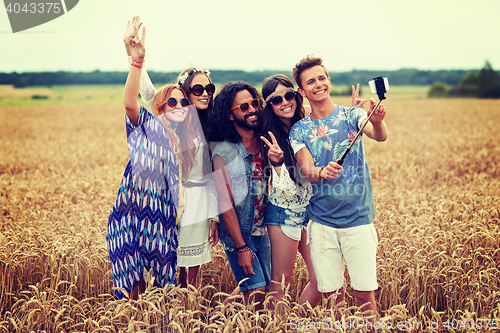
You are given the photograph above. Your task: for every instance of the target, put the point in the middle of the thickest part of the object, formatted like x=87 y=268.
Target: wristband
x=138 y=61
x=319 y=173
x=241 y=247
x=135 y=65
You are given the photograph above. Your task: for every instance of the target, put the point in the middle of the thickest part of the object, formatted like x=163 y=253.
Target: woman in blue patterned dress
x=198 y=227
x=142 y=229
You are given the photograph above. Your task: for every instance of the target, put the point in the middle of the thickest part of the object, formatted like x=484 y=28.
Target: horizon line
x=243 y=70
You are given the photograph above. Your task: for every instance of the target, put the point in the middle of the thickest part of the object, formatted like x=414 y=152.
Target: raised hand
x=131 y=29
x=356 y=101
x=379 y=114
x=275 y=153
x=130 y=32
x=137 y=45
x=136 y=49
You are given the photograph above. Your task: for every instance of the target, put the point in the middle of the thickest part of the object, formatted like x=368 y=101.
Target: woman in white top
x=286 y=214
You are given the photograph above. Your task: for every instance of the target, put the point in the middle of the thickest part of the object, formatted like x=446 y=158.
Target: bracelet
x=241 y=247
x=136 y=66
x=280 y=163
x=245 y=249
x=319 y=173
x=139 y=62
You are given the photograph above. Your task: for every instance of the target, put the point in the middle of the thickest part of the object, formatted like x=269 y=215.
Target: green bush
x=469 y=79
x=438 y=89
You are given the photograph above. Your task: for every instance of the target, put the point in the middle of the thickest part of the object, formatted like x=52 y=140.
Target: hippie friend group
x=257 y=171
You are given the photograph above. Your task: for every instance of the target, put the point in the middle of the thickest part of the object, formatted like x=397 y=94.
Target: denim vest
x=239 y=166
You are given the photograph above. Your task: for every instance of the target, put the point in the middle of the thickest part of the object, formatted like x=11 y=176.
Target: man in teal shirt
x=341 y=208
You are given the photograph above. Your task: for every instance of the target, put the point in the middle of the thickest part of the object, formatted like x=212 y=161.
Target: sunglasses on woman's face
x=277 y=100
x=198 y=89
x=244 y=107
x=172 y=102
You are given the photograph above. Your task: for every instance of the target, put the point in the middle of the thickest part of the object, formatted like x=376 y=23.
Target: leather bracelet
x=319 y=173
x=241 y=247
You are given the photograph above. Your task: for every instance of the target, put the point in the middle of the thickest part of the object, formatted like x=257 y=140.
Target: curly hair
x=272 y=123
x=220 y=126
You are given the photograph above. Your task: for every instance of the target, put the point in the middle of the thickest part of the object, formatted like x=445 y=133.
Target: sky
x=262 y=35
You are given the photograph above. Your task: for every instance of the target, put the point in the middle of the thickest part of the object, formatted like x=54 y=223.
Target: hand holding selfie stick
x=378 y=85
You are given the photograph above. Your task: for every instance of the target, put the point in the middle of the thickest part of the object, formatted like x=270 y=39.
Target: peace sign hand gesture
x=355 y=100
x=275 y=153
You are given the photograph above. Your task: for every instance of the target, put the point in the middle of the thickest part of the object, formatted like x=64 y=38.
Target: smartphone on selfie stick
x=379 y=86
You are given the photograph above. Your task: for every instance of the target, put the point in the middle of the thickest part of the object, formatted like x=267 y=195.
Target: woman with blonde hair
x=142 y=229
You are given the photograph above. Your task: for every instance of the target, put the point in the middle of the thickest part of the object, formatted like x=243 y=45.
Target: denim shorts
x=261 y=247
x=283 y=216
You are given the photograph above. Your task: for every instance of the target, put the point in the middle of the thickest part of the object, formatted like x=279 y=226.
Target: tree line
x=482 y=84
x=407 y=76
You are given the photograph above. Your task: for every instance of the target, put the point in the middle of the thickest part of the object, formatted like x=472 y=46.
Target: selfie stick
x=380 y=86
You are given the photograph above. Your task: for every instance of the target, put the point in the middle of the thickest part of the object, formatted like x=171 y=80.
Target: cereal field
x=436 y=183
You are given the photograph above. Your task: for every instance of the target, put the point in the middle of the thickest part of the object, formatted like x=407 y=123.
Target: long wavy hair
x=272 y=123
x=182 y=148
x=203 y=115
x=221 y=127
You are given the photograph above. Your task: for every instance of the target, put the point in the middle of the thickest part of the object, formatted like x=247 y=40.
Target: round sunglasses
x=198 y=89
x=244 y=107
x=277 y=100
x=172 y=102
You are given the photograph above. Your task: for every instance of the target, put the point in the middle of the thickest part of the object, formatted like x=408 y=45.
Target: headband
x=184 y=76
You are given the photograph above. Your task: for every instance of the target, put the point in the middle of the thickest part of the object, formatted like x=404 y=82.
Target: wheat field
x=436 y=185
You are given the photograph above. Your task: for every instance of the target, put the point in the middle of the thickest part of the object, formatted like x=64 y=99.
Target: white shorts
x=331 y=246
x=294 y=233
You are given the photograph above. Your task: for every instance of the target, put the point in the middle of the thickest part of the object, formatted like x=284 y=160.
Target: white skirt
x=194 y=246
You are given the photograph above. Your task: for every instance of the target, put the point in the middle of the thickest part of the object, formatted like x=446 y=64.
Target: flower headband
x=184 y=76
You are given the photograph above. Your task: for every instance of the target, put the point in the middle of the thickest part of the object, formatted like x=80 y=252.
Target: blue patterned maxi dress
x=142 y=230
